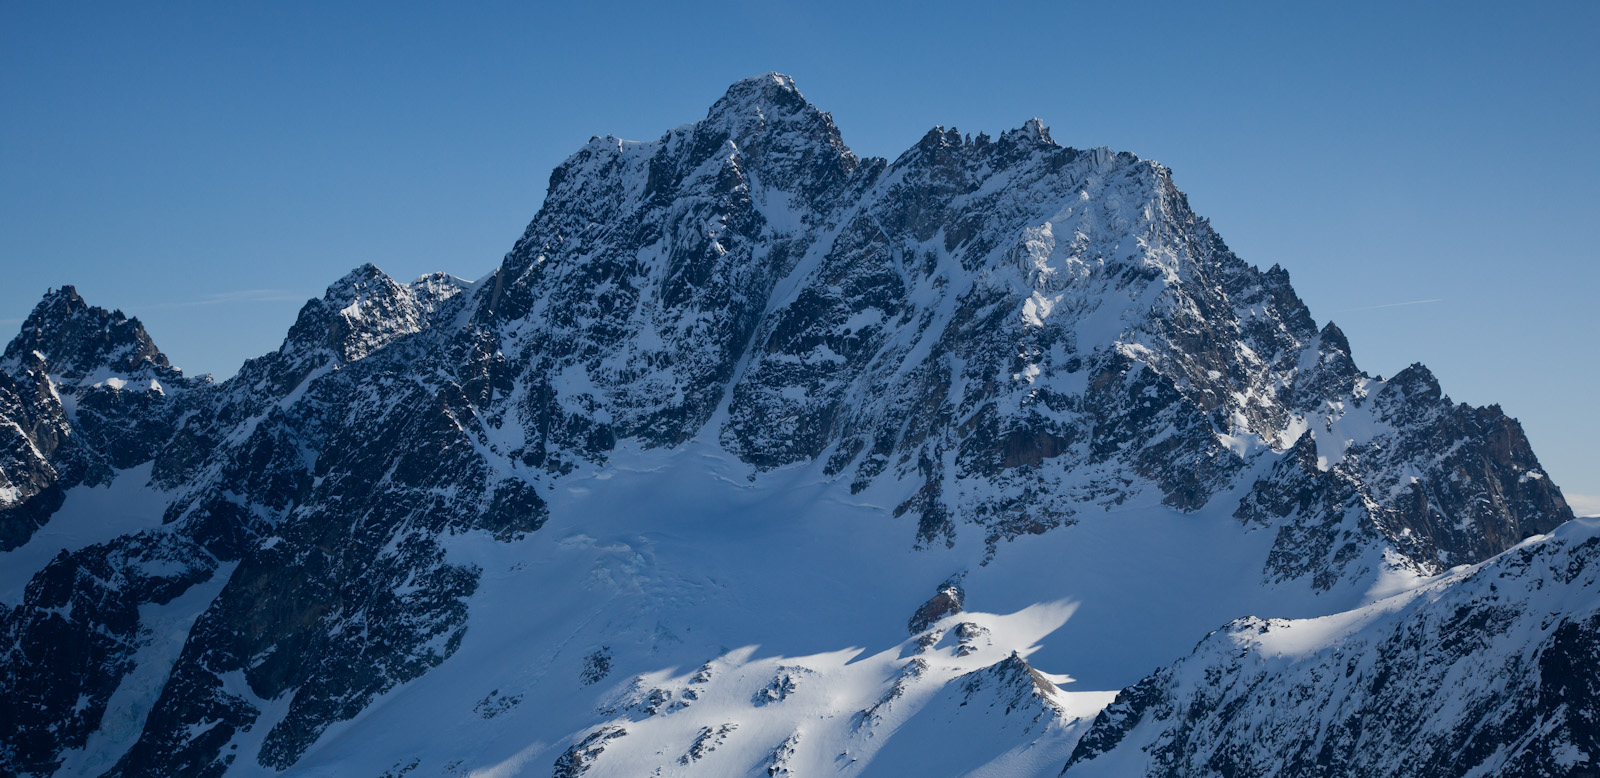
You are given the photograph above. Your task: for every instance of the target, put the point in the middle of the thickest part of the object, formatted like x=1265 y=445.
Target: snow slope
x=688 y=569
x=1489 y=670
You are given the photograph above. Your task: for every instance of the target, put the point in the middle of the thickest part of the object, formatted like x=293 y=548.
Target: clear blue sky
x=208 y=166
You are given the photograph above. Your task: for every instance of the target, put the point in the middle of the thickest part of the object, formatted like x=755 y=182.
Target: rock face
x=998 y=335
x=945 y=602
x=75 y=636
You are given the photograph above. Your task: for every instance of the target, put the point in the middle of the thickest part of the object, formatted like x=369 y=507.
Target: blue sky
x=1426 y=172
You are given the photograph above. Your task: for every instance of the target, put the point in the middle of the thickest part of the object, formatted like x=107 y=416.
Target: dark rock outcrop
x=945 y=602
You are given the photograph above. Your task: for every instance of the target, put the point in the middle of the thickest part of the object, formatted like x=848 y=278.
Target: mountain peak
x=367 y=309
x=758 y=92
x=66 y=295
x=77 y=339
x=358 y=284
x=1032 y=130
x=756 y=110
x=1333 y=336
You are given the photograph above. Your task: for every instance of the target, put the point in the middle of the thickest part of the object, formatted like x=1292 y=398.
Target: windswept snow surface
x=707 y=592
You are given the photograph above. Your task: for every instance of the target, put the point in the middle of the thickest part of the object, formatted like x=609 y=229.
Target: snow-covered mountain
x=754 y=457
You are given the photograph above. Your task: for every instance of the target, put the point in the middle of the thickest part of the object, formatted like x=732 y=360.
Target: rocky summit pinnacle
x=773 y=92
x=664 y=492
x=77 y=338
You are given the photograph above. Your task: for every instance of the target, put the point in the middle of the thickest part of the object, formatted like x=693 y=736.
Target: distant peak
x=440 y=279
x=767 y=84
x=362 y=273
x=356 y=283
x=1032 y=130
x=765 y=94
x=1333 y=336
x=77 y=339
x=67 y=295
x=366 y=310
x=57 y=305
x=770 y=79
x=1418 y=381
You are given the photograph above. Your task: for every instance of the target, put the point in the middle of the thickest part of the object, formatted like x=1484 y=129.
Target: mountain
x=751 y=457
x=84 y=392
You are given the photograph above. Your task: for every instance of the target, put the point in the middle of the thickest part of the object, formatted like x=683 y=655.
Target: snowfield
x=687 y=569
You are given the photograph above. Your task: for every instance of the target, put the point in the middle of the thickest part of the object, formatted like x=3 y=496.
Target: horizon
x=236 y=162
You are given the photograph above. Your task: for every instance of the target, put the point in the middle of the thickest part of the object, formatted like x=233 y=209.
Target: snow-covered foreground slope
x=752 y=457
x=674 y=568
x=1491 y=670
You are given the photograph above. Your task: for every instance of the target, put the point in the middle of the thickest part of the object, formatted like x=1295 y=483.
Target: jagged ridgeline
x=989 y=350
